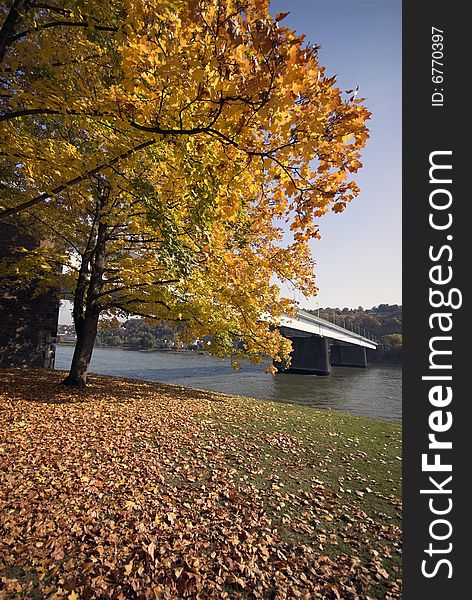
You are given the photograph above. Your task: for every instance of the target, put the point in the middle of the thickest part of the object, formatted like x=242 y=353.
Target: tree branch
x=57 y=190
x=9 y=26
x=51 y=24
x=137 y=286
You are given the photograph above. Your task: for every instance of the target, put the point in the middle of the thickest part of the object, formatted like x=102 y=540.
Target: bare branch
x=51 y=24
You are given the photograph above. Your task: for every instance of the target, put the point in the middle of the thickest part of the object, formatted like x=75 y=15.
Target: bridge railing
x=303 y=315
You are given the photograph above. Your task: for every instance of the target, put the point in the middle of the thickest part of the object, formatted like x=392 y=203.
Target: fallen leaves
x=140 y=490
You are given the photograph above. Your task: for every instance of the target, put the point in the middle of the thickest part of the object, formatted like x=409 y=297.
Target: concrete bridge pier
x=317 y=344
x=348 y=355
x=310 y=355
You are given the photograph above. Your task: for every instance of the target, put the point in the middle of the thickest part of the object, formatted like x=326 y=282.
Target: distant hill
x=134 y=334
x=383 y=322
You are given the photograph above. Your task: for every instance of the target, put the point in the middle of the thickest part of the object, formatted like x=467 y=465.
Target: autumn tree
x=161 y=149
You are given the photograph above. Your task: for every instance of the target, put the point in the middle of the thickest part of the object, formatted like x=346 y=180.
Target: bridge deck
x=308 y=323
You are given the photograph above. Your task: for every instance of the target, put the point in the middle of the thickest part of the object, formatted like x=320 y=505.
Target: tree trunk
x=87 y=308
x=86 y=335
x=8 y=26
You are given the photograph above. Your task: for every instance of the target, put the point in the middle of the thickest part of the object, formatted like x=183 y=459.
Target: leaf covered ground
x=132 y=490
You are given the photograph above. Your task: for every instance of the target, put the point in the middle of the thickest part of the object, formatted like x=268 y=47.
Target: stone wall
x=28 y=326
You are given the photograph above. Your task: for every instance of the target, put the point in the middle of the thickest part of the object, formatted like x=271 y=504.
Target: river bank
x=138 y=489
x=372 y=392
x=375 y=357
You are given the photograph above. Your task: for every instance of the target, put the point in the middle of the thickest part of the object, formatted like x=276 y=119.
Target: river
x=372 y=392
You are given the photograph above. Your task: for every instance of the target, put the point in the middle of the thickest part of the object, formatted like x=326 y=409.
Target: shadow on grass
x=45 y=386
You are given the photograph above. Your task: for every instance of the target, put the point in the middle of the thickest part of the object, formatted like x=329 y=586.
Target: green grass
x=353 y=463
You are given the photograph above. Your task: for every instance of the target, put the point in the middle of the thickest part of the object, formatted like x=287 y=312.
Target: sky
x=358 y=259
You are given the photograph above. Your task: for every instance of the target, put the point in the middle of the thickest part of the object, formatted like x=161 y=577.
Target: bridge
x=319 y=344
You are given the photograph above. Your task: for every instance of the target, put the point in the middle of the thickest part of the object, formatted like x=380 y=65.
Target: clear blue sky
x=359 y=254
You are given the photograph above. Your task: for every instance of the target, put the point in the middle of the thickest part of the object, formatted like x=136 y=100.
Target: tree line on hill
x=382 y=322
x=134 y=334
